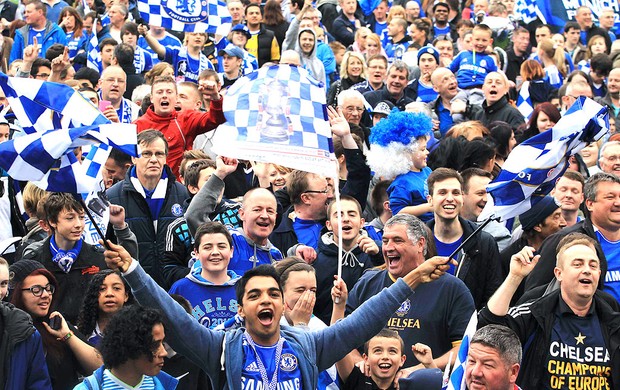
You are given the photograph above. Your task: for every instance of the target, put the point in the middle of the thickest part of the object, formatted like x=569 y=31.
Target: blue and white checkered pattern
x=524 y=102
x=525 y=10
x=211 y=16
x=457 y=378
x=47 y=159
x=531 y=170
x=93 y=55
x=42 y=105
x=286 y=99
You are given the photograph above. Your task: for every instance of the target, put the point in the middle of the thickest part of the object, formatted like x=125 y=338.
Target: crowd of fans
x=426 y=102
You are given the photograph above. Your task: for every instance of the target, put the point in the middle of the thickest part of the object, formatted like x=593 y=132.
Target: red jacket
x=181 y=128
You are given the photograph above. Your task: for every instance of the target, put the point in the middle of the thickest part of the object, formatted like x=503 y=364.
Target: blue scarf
x=64 y=259
x=155 y=198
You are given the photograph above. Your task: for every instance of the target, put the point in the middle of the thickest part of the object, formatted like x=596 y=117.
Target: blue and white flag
x=557 y=13
x=532 y=168
x=368 y=6
x=278 y=115
x=93 y=55
x=209 y=16
x=48 y=160
x=524 y=102
x=42 y=105
x=525 y=10
x=457 y=378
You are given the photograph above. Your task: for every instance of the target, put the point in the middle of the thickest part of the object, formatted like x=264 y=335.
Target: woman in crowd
x=106 y=294
x=373 y=46
x=544 y=117
x=533 y=76
x=352 y=71
x=72 y=24
x=273 y=20
x=66 y=353
x=596 y=45
x=552 y=57
x=504 y=138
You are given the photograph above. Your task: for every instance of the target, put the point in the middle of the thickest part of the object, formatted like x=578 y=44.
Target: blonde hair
x=344 y=71
x=31 y=197
x=395 y=10
x=555 y=53
x=469 y=130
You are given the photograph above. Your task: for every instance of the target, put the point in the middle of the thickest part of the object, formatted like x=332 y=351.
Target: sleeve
x=518 y=323
x=127 y=239
x=342 y=32
x=201 y=122
x=543 y=272
x=291 y=35
x=203 y=203
x=461 y=309
x=186 y=336
x=331 y=94
x=174 y=262
x=148 y=62
x=494 y=275
x=492 y=66
x=172 y=55
x=17 y=50
x=455 y=64
x=358 y=176
x=400 y=197
x=29 y=356
x=329 y=60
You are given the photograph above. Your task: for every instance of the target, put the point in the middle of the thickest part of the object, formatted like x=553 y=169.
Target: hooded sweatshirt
x=211 y=304
x=311 y=62
x=354 y=263
x=248 y=254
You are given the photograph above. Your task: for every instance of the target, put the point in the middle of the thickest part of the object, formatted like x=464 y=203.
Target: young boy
x=210 y=286
x=73 y=261
x=359 y=252
x=471 y=67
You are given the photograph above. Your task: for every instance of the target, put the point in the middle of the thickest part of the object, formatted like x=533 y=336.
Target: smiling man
x=394 y=88
x=478 y=267
x=265 y=352
x=571 y=333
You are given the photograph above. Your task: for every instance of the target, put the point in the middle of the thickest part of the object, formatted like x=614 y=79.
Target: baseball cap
x=232 y=51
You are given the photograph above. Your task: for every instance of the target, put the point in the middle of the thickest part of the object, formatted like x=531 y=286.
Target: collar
x=565 y=310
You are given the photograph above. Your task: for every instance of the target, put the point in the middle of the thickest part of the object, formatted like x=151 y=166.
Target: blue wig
x=401 y=127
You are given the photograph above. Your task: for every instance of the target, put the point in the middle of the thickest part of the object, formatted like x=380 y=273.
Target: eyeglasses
x=351 y=110
x=325 y=191
x=149 y=154
x=612 y=159
x=42 y=75
x=37 y=290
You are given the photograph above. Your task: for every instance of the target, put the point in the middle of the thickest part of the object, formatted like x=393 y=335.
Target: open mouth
x=165 y=104
x=393 y=260
x=265 y=317
x=384 y=366
x=585 y=281
x=449 y=207
x=493 y=92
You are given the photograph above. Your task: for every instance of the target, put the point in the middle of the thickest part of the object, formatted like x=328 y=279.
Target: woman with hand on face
x=66 y=353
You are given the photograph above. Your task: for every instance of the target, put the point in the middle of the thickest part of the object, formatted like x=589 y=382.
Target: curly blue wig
x=401 y=127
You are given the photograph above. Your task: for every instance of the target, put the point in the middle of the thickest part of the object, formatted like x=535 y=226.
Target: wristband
x=66 y=337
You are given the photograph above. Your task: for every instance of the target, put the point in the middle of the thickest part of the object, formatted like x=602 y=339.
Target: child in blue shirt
x=471 y=67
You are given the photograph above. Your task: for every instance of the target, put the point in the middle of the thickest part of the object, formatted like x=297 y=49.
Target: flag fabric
x=524 y=102
x=457 y=378
x=93 y=55
x=42 y=105
x=525 y=10
x=368 y=6
x=532 y=168
x=48 y=160
x=209 y=16
x=278 y=115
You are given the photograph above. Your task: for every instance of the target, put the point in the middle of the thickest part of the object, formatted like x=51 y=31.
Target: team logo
x=288 y=362
x=186 y=11
x=177 y=210
x=252 y=367
x=483 y=63
x=404 y=308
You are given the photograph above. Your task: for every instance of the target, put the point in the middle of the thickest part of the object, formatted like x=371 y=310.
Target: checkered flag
x=42 y=105
x=93 y=55
x=278 y=115
x=47 y=158
x=525 y=10
x=524 y=102
x=532 y=168
x=209 y=16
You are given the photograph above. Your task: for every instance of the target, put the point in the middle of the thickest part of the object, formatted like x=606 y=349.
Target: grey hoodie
x=310 y=62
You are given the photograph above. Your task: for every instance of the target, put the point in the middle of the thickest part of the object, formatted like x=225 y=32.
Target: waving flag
x=278 y=115
x=457 y=378
x=532 y=168
x=209 y=16
x=43 y=105
x=93 y=55
x=524 y=102
x=47 y=158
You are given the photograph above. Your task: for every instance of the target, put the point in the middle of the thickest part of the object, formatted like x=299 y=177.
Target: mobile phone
x=55 y=323
x=103 y=104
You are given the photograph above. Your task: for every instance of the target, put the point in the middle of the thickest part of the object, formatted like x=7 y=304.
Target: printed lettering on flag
x=209 y=16
x=278 y=115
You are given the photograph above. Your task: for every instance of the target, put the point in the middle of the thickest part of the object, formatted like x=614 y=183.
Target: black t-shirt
x=358 y=381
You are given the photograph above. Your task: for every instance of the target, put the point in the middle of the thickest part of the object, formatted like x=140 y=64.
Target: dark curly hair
x=89 y=313
x=129 y=335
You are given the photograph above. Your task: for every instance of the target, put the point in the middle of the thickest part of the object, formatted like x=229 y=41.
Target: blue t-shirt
x=379 y=27
x=426 y=93
x=308 y=232
x=288 y=376
x=444 y=249
x=441 y=31
x=577 y=357
x=553 y=76
x=410 y=189
x=445 y=119
x=186 y=67
x=211 y=305
x=612 y=254
x=142 y=60
x=168 y=40
x=36 y=33
x=471 y=68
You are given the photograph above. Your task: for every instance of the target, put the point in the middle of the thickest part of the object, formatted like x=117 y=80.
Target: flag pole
x=465 y=241
x=339 y=211
x=78 y=197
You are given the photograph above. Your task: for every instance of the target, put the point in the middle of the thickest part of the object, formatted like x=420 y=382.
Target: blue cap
x=232 y=51
x=242 y=28
x=428 y=49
